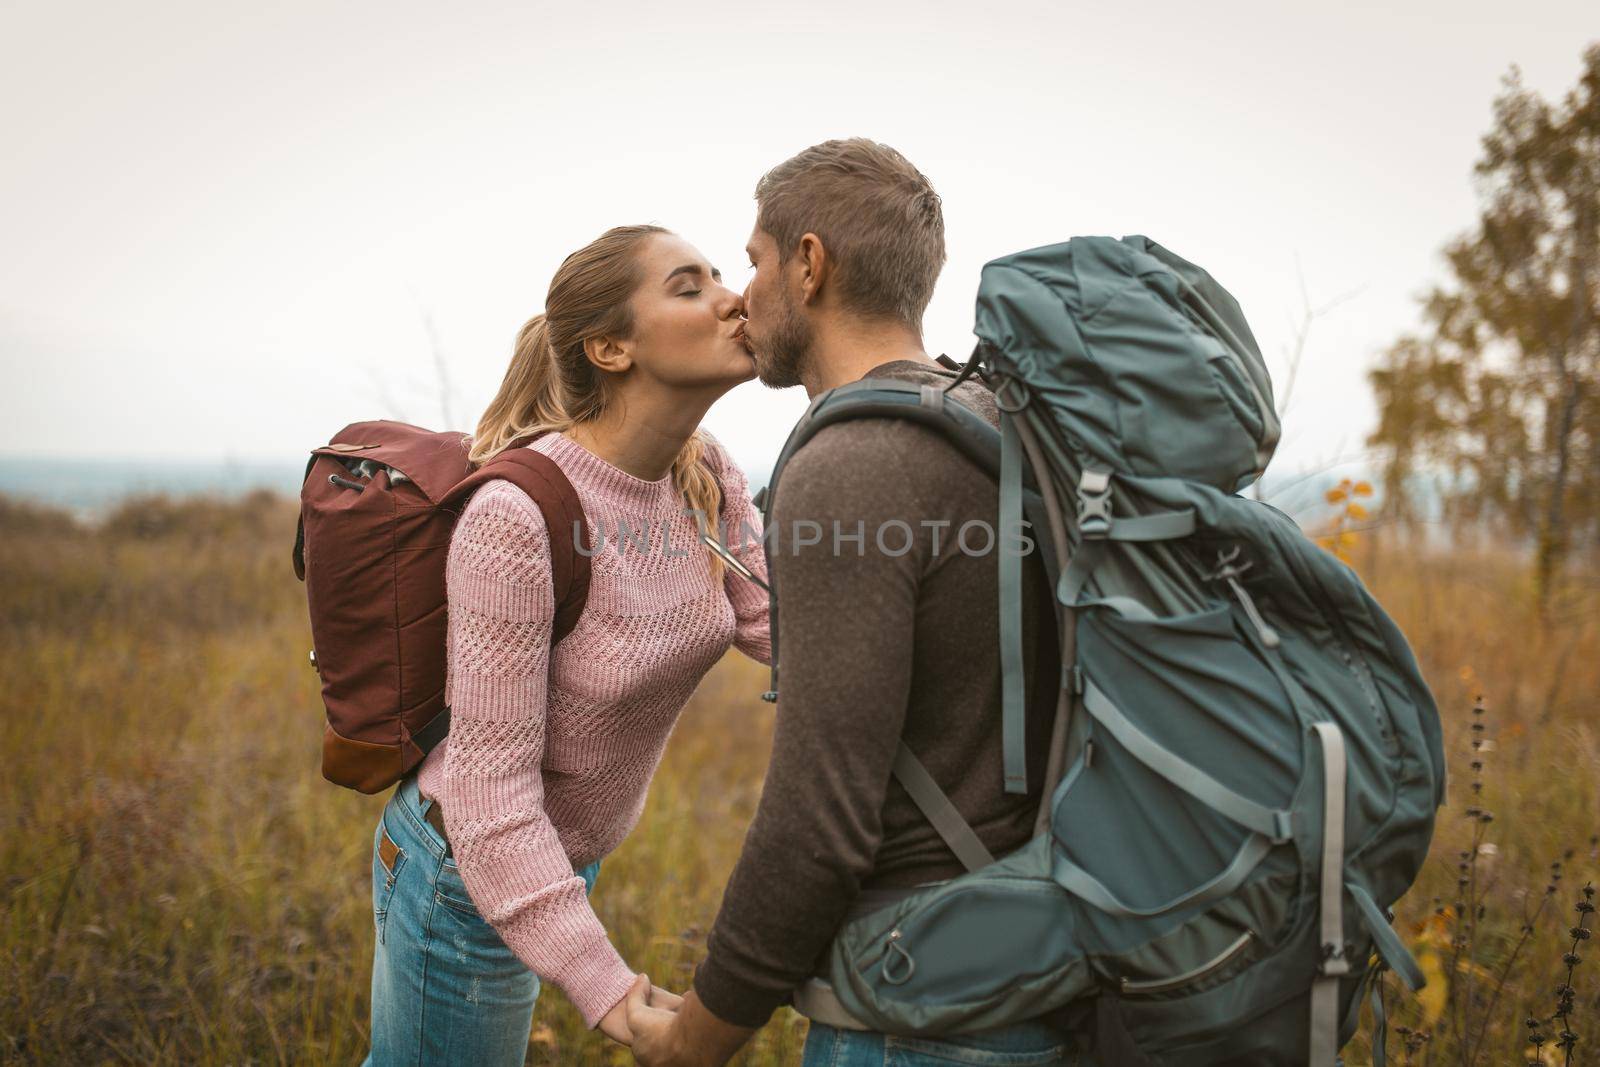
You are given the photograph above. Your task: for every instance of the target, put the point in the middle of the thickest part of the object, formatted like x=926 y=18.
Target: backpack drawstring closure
x=1229 y=571
x=365 y=468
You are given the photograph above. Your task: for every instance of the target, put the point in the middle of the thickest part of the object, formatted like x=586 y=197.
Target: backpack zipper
x=1354 y=662
x=1160 y=984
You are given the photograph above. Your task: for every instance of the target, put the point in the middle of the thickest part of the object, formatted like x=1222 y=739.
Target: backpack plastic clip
x=1074 y=679
x=1094 y=504
x=1335 y=959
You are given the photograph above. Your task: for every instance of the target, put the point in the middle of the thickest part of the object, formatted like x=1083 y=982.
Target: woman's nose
x=732 y=306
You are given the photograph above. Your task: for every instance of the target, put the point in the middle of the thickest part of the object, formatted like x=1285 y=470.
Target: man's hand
x=654 y=1039
x=614 y=1024
x=664 y=998
x=685 y=1035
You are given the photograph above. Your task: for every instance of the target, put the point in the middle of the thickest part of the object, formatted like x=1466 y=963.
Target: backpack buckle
x=1335 y=959
x=1074 y=679
x=1094 y=504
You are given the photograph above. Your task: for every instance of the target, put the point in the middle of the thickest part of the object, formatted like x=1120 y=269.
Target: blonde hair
x=551 y=385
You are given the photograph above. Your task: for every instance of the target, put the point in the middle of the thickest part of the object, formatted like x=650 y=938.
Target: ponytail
x=529 y=400
x=694 y=479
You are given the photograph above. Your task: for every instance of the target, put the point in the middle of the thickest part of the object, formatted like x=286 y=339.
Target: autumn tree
x=1501 y=390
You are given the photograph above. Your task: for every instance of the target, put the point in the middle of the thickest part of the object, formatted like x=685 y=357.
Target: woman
x=550 y=752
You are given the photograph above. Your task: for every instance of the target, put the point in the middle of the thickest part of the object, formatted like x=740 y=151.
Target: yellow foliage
x=1436 y=994
x=1433 y=928
x=1432 y=946
x=1341 y=540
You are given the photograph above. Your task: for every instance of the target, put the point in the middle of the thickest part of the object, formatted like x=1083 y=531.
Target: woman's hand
x=664 y=999
x=615 y=1022
x=685 y=1035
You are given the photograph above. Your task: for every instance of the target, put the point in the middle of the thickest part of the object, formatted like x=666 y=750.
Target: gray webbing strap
x=1082 y=884
x=1067 y=621
x=940 y=812
x=1068 y=777
x=1159 y=526
x=816 y=1000
x=1390 y=947
x=1272 y=824
x=893 y=385
x=1335 y=962
x=1380 y=1025
x=1012 y=686
x=1076 y=576
x=1125 y=606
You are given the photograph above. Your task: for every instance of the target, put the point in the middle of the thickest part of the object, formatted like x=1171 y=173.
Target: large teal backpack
x=1246 y=762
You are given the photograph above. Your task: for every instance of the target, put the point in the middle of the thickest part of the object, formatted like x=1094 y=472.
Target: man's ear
x=608 y=353
x=814 y=265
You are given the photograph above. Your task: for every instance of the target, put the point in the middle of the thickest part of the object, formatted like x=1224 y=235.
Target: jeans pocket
x=388 y=859
x=1023 y=1045
x=821 y=1047
x=451 y=891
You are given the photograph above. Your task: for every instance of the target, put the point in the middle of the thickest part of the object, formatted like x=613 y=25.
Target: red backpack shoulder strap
x=538 y=475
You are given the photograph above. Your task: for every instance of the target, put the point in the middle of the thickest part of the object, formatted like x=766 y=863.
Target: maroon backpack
x=376 y=511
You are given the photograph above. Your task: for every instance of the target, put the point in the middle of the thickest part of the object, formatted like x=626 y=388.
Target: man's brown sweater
x=876 y=644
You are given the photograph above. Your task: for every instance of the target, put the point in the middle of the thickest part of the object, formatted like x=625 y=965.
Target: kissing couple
x=485 y=858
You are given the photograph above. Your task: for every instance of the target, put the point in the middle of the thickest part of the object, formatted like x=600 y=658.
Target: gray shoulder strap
x=937 y=807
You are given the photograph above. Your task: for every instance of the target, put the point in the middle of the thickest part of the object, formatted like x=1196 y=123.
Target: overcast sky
x=228 y=229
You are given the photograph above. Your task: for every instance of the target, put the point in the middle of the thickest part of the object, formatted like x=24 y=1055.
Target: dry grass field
x=180 y=886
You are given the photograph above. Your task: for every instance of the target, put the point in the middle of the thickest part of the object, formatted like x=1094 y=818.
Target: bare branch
x=441 y=367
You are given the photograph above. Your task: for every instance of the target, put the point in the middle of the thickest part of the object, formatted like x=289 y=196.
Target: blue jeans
x=445 y=988
x=1021 y=1045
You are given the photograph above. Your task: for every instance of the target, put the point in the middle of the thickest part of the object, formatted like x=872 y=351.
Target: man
x=888 y=622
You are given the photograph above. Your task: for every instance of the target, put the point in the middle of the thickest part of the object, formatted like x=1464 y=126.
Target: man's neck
x=843 y=352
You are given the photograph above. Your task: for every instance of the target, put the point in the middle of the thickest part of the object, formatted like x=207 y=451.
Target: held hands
x=650 y=1015
x=617 y=1024
x=672 y=1031
x=666 y=1030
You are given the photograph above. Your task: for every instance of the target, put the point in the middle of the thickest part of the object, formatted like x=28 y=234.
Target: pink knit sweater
x=549 y=757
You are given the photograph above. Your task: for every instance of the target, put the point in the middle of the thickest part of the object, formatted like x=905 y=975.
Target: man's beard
x=783 y=351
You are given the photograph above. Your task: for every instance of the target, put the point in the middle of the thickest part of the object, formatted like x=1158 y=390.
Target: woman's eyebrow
x=692 y=268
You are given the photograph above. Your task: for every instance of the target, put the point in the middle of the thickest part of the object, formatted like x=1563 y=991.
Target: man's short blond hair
x=877 y=216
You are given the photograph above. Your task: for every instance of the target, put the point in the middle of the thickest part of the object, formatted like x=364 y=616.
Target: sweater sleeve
x=739 y=528
x=846 y=625
x=501 y=611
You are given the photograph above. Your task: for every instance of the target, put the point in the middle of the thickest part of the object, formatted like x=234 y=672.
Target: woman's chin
x=744 y=365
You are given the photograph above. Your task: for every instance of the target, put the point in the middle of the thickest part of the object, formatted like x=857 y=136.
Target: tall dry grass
x=180 y=886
